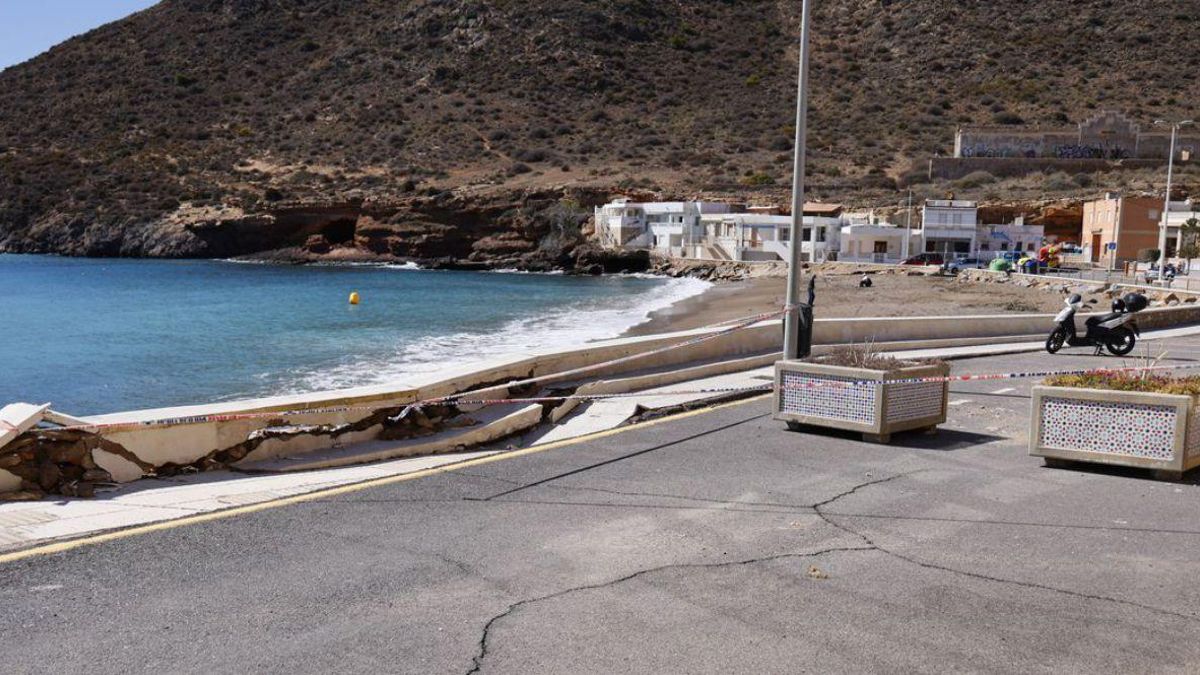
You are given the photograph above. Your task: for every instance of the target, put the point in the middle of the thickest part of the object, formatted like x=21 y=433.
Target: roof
x=820 y=209
x=950 y=204
x=664 y=207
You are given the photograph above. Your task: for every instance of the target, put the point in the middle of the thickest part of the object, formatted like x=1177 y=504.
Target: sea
x=93 y=336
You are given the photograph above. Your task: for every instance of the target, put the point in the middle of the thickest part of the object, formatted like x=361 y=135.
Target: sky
x=30 y=27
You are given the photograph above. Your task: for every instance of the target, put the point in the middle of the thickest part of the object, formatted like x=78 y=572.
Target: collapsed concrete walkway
x=716 y=543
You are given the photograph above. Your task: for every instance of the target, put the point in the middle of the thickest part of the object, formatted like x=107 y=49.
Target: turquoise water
x=94 y=336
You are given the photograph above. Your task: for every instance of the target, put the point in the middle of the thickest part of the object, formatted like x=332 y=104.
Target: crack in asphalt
x=873 y=545
x=870 y=545
x=477 y=660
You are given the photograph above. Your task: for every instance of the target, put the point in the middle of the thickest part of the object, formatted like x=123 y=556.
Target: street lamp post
x=792 y=328
x=1162 y=228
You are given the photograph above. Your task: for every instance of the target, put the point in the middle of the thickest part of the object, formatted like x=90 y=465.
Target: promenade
x=711 y=542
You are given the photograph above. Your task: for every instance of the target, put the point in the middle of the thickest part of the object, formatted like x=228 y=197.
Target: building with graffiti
x=1109 y=135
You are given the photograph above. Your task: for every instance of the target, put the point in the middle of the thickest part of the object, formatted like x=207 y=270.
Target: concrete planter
x=873 y=408
x=1142 y=430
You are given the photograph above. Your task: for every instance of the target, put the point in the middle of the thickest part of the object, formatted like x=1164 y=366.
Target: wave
x=327 y=263
x=514 y=270
x=603 y=317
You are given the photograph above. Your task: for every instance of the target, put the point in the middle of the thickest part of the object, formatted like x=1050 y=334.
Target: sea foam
x=565 y=327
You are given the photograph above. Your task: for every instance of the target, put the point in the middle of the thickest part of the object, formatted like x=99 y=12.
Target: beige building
x=1132 y=223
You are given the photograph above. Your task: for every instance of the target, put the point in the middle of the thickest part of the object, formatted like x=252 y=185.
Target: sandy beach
x=840 y=296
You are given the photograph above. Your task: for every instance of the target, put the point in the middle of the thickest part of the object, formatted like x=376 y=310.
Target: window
x=985 y=246
x=806 y=234
x=1004 y=246
x=929 y=247
x=881 y=247
x=1029 y=247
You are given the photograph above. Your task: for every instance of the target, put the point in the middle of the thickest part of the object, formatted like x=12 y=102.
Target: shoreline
x=715 y=304
x=894 y=293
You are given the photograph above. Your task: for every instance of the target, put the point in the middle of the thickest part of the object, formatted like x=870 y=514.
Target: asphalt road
x=715 y=543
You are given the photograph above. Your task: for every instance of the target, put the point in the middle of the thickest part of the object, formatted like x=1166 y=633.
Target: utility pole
x=792 y=328
x=904 y=250
x=1162 y=228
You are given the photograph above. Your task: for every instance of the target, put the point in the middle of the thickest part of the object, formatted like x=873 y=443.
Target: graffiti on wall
x=1090 y=152
x=981 y=149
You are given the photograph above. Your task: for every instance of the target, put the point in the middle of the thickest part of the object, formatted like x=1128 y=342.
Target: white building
x=767 y=237
x=949 y=227
x=867 y=239
x=1180 y=213
x=994 y=240
x=665 y=227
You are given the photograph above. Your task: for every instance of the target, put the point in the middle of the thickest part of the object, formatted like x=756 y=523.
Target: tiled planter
x=873 y=408
x=1148 y=431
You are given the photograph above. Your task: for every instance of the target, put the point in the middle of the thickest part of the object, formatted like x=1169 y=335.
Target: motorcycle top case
x=1135 y=302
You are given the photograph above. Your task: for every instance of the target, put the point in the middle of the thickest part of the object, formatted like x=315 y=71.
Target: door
x=1095 y=248
x=880 y=252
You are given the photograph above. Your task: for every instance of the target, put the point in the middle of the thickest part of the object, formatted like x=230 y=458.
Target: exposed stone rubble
x=70 y=462
x=60 y=462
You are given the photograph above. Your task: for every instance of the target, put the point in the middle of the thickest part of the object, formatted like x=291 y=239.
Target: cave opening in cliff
x=339 y=231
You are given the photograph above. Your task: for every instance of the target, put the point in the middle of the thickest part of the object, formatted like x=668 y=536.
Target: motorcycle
x=1117 y=331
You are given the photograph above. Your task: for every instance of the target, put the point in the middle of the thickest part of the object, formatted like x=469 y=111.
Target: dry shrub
x=865 y=356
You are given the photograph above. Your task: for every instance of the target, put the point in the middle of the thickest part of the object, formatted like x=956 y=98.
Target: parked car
x=954 y=266
x=925 y=259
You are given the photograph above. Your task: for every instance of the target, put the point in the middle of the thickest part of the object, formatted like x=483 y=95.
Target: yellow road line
x=61 y=546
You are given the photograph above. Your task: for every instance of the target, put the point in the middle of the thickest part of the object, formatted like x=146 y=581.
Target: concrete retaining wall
x=185 y=443
x=953 y=168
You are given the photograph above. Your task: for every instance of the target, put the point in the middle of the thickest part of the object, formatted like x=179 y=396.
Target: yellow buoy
x=354 y=297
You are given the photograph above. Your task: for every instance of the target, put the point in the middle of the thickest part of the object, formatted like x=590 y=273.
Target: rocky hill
x=222 y=127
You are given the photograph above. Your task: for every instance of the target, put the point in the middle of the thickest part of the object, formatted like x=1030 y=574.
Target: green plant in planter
x=1129 y=381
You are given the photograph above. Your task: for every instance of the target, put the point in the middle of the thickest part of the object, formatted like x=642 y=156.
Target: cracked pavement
x=715 y=543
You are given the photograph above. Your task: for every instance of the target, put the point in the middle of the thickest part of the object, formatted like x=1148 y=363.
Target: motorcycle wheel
x=1122 y=342
x=1056 y=340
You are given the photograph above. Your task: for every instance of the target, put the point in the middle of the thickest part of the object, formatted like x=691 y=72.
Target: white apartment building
x=865 y=238
x=669 y=228
x=949 y=227
x=765 y=237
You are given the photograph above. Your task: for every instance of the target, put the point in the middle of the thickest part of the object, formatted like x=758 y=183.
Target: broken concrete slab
x=17 y=418
x=453 y=440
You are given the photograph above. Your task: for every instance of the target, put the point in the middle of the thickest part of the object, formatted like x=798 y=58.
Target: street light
x=792 y=328
x=1162 y=228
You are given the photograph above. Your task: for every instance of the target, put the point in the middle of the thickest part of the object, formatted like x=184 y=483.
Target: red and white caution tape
x=464 y=399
